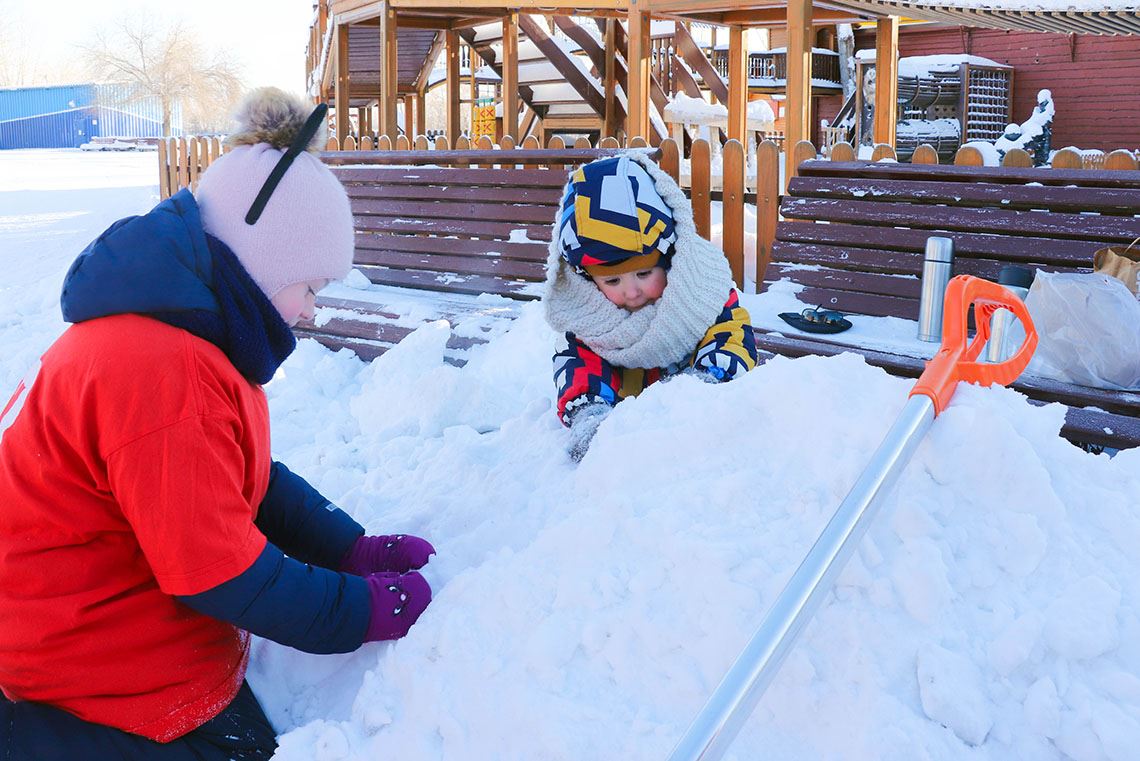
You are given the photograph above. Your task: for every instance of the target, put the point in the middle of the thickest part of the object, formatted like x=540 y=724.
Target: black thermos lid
x=1019 y=277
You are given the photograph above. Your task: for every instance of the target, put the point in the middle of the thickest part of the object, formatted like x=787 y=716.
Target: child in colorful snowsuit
x=637 y=293
x=145 y=531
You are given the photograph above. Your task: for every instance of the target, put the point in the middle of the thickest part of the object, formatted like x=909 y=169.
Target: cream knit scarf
x=660 y=334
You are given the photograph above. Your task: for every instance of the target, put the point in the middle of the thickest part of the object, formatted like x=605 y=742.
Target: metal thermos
x=936 y=269
x=1017 y=280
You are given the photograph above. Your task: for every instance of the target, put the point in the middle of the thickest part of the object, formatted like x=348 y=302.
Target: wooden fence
x=182 y=160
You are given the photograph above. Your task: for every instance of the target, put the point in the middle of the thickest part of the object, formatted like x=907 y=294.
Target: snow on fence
x=738 y=179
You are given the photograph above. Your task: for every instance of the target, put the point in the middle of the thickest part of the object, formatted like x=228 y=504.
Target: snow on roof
x=1076 y=6
x=924 y=65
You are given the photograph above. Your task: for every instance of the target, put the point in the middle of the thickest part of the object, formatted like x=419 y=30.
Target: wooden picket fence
x=182 y=160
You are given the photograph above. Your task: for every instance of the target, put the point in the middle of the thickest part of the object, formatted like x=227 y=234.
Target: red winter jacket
x=141 y=484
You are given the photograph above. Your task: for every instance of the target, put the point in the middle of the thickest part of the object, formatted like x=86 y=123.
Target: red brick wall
x=1095 y=80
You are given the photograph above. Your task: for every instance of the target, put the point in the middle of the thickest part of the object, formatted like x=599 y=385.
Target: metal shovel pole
x=722 y=717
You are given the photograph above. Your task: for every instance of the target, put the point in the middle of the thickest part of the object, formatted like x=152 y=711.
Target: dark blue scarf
x=249 y=329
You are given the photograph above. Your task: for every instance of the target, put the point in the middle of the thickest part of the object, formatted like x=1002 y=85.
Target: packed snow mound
x=587 y=612
x=990 y=611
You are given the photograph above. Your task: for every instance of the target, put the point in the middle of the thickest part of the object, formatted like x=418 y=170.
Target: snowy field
x=586 y=612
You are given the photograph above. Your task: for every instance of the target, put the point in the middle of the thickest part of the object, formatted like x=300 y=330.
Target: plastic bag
x=1089 y=330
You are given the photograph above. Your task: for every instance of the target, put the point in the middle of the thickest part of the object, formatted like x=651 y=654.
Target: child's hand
x=398 y=600
x=399 y=553
x=584 y=423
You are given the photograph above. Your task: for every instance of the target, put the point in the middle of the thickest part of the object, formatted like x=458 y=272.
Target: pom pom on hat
x=613 y=220
x=305 y=231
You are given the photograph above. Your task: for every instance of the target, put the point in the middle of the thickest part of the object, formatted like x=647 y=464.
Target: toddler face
x=298 y=301
x=633 y=290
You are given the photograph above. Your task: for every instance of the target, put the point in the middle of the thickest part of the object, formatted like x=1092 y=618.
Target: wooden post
x=737 y=83
x=732 y=200
x=798 y=117
x=342 y=106
x=637 y=120
x=421 y=113
x=388 y=72
x=767 y=205
x=670 y=161
x=409 y=116
x=452 y=125
x=700 y=170
x=886 y=79
x=610 y=125
x=511 y=75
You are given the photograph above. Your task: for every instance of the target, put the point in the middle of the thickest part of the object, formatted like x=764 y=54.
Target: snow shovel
x=722 y=717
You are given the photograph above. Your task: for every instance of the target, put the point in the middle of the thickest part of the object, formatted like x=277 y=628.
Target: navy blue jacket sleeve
x=305 y=525
x=295 y=604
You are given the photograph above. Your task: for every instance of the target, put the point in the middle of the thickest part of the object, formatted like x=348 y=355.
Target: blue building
x=68 y=116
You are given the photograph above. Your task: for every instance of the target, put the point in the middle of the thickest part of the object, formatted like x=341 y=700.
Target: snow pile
x=587 y=612
x=689 y=110
x=1034 y=135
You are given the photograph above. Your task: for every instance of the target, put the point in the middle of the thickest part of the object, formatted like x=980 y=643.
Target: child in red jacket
x=638 y=295
x=144 y=529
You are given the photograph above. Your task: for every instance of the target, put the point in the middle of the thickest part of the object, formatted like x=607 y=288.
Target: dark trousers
x=37 y=732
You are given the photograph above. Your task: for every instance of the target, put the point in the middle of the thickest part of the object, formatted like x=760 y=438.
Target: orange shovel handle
x=955 y=361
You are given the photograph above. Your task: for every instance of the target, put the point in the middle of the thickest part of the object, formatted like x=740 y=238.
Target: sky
x=991 y=612
x=268 y=37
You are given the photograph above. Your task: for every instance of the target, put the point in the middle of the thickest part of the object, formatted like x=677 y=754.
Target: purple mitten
x=373 y=554
x=398 y=599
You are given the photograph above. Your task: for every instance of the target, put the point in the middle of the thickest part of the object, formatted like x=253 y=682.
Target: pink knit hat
x=305 y=231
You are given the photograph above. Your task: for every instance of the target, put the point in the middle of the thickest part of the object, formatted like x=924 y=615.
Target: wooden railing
x=742 y=179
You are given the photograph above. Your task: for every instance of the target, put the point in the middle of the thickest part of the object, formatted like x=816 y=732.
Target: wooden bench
x=455 y=235
x=853 y=236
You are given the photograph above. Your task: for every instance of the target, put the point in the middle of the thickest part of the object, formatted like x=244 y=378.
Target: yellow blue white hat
x=613 y=220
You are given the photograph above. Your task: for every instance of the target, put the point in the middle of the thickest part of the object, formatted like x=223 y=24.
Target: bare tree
x=168 y=62
x=22 y=62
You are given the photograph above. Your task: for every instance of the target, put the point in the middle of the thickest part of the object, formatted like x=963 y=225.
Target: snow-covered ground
x=586 y=612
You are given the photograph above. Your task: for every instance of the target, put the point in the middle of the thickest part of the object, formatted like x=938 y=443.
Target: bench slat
x=860 y=303
x=1092 y=178
x=536 y=178
x=481 y=194
x=1015 y=249
x=449 y=283
x=419 y=209
x=470 y=265
x=464 y=228
x=843 y=280
x=1119 y=410
x=531 y=252
x=1099 y=229
x=961 y=195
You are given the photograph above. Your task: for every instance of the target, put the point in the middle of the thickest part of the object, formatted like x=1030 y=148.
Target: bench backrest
x=867 y=259
x=435 y=223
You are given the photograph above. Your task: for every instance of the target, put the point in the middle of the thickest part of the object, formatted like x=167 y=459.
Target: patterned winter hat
x=272 y=201
x=613 y=221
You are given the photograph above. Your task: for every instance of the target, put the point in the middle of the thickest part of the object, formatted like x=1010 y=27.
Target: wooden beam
x=798 y=115
x=467 y=5
x=342 y=107
x=429 y=62
x=582 y=84
x=452 y=125
x=409 y=117
x=388 y=73
x=610 y=122
x=510 y=75
x=886 y=79
x=737 y=83
x=637 y=95
x=421 y=112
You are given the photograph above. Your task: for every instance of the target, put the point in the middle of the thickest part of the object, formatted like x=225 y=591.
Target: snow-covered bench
x=867 y=258
x=455 y=235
